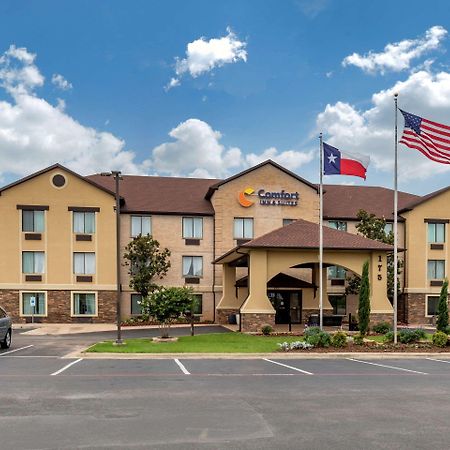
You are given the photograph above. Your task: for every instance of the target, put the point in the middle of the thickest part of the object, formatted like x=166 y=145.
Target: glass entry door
x=287 y=304
x=296 y=306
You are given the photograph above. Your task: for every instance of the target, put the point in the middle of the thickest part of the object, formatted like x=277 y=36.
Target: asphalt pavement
x=50 y=402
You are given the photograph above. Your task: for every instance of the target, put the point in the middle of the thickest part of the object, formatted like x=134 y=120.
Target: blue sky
x=110 y=62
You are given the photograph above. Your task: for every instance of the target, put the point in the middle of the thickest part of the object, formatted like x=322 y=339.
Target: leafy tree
x=373 y=227
x=442 y=319
x=167 y=304
x=364 y=301
x=146 y=261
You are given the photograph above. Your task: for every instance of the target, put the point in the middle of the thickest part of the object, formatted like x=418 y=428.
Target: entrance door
x=296 y=306
x=286 y=304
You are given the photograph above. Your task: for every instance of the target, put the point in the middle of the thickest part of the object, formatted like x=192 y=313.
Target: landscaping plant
x=267 y=330
x=317 y=338
x=406 y=335
x=364 y=301
x=339 y=339
x=440 y=339
x=382 y=328
x=358 y=339
x=296 y=345
x=442 y=319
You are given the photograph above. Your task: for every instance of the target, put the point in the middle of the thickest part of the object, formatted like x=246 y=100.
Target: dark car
x=5 y=329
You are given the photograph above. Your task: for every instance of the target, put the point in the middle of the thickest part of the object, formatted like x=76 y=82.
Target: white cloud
x=312 y=8
x=371 y=131
x=198 y=152
x=60 y=82
x=203 y=56
x=35 y=134
x=399 y=55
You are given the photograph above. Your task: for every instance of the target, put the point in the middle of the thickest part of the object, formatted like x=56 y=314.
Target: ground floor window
x=84 y=304
x=136 y=307
x=197 y=304
x=34 y=298
x=339 y=304
x=432 y=305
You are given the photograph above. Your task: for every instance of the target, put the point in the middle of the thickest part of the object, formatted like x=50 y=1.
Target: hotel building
x=247 y=245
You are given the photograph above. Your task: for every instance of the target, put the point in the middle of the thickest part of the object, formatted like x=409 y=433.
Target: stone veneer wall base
x=253 y=322
x=222 y=315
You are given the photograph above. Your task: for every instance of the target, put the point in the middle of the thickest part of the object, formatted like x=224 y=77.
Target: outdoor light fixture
x=116 y=175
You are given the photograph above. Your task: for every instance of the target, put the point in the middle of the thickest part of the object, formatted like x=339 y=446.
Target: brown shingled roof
x=305 y=235
x=419 y=200
x=161 y=195
x=344 y=202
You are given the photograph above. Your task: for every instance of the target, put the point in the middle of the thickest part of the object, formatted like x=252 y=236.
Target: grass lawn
x=203 y=343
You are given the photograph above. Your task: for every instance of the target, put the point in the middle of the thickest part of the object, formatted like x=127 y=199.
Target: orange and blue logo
x=242 y=197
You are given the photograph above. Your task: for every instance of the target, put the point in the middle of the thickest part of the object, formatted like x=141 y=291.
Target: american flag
x=430 y=138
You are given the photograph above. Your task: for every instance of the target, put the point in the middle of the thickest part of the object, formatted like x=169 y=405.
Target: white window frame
x=140 y=216
x=251 y=219
x=34 y=263
x=72 y=299
x=34 y=211
x=182 y=266
x=21 y=314
x=192 y=218
x=84 y=273
x=435 y=233
x=84 y=222
x=426 y=304
x=436 y=260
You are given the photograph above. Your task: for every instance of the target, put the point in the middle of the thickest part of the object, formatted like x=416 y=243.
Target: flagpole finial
x=395 y=94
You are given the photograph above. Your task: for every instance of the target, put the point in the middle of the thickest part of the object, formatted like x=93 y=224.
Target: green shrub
x=266 y=330
x=447 y=329
x=317 y=338
x=382 y=328
x=358 y=339
x=407 y=335
x=442 y=319
x=440 y=339
x=389 y=336
x=339 y=339
x=364 y=301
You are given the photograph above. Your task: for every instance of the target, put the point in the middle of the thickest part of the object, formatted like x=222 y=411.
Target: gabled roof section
x=305 y=235
x=418 y=201
x=216 y=186
x=50 y=168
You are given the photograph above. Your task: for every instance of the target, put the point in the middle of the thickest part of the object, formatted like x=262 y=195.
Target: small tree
x=146 y=261
x=442 y=320
x=364 y=301
x=167 y=304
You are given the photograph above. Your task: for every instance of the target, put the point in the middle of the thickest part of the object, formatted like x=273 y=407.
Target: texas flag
x=336 y=162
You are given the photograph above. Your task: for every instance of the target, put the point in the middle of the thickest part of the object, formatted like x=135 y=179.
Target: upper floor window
x=192 y=227
x=33 y=221
x=84 y=263
x=336 y=272
x=436 y=269
x=436 y=232
x=388 y=227
x=243 y=228
x=33 y=262
x=287 y=221
x=141 y=225
x=192 y=266
x=338 y=225
x=83 y=222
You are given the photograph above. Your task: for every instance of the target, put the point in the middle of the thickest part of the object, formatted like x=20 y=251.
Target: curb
x=312 y=355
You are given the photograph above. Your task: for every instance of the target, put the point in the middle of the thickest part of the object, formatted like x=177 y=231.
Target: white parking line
x=289 y=367
x=387 y=367
x=438 y=360
x=16 y=350
x=66 y=367
x=181 y=366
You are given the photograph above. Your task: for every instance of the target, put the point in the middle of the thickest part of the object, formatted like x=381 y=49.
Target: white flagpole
x=321 y=236
x=395 y=222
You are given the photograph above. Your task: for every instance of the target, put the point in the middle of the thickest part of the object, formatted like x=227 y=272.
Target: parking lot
x=51 y=402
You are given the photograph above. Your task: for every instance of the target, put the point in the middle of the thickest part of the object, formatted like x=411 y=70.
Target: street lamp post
x=116 y=175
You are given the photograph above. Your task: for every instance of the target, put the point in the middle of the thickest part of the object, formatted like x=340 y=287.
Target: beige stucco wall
x=58 y=241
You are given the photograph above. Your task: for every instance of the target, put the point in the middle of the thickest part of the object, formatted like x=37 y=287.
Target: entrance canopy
x=297 y=245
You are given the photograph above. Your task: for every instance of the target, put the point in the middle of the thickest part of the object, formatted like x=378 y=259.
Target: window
x=287 y=221
x=192 y=266
x=197 y=304
x=33 y=221
x=436 y=269
x=243 y=228
x=192 y=227
x=339 y=304
x=337 y=225
x=33 y=262
x=336 y=272
x=432 y=305
x=389 y=227
x=436 y=232
x=84 y=304
x=84 y=263
x=38 y=298
x=141 y=225
x=136 y=307
x=83 y=222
